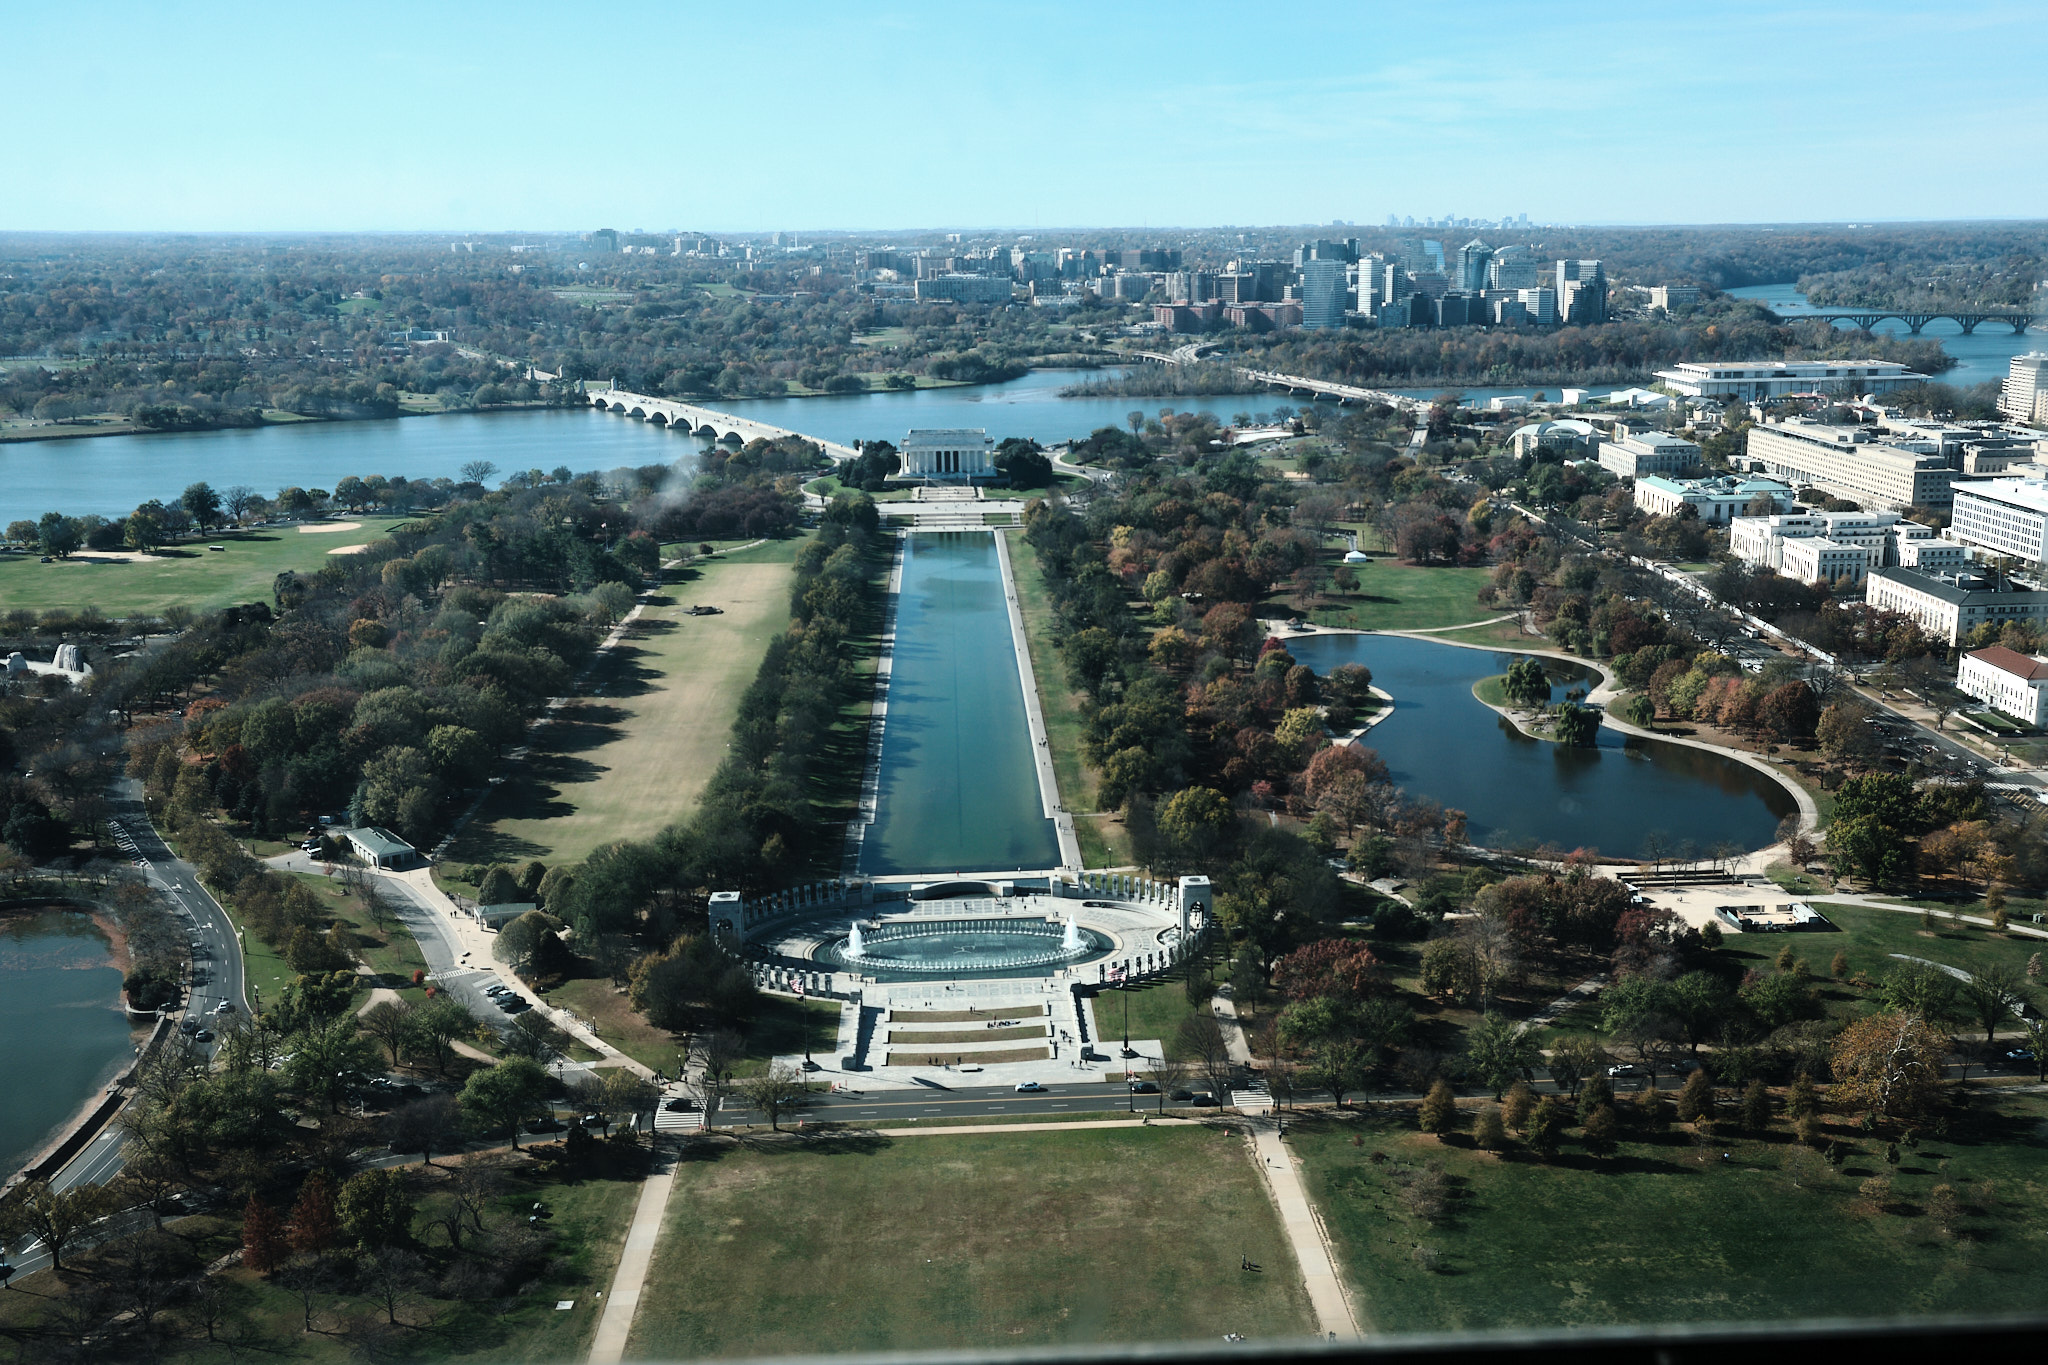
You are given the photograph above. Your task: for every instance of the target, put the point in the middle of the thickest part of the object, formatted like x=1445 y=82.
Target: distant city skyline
x=1049 y=116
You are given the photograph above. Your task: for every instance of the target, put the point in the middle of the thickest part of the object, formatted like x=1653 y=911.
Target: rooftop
x=2028 y=666
x=2031 y=494
x=1947 y=588
x=383 y=843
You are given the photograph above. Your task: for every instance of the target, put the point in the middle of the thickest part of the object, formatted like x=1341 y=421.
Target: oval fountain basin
x=990 y=947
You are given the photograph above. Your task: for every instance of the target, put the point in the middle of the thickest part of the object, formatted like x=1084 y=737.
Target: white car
x=1029 y=1088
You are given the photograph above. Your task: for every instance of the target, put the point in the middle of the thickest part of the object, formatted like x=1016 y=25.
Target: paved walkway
x=1544 y=1017
x=1034 y=717
x=1225 y=1010
x=608 y=1345
x=1305 y=1234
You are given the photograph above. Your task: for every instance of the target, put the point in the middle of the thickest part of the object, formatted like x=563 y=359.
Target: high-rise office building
x=1473 y=258
x=1581 y=292
x=1324 y=284
x=2024 y=395
x=1512 y=267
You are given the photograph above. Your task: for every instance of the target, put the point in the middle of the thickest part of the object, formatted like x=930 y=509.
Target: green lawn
x=184 y=575
x=859 y=1242
x=1155 y=1011
x=1064 y=722
x=631 y=755
x=1395 y=596
x=1664 y=1231
x=386 y=949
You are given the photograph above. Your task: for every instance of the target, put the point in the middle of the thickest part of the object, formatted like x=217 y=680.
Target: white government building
x=1950 y=604
x=1706 y=379
x=1816 y=547
x=949 y=453
x=2007 y=680
x=2004 y=516
x=1856 y=463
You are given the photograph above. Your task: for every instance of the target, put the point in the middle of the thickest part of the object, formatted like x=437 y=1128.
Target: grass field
x=1664 y=1231
x=858 y=1242
x=183 y=575
x=632 y=754
x=1395 y=596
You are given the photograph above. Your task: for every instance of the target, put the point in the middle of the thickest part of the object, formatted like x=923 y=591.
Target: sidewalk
x=1305 y=1233
x=608 y=1343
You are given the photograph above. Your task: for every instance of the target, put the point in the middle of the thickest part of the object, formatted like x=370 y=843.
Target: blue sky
x=747 y=117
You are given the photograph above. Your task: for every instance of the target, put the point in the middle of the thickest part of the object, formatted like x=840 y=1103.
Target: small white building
x=949 y=453
x=381 y=848
x=2008 y=681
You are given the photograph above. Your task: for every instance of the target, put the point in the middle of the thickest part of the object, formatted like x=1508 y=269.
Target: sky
x=879 y=115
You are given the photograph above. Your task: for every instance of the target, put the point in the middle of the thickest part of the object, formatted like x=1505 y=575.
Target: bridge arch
x=658 y=417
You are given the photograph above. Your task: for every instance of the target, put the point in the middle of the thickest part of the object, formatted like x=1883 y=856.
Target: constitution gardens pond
x=1617 y=797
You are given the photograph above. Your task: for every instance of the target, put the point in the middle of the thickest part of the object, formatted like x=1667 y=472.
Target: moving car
x=1623 y=1069
x=1144 y=1088
x=1029 y=1087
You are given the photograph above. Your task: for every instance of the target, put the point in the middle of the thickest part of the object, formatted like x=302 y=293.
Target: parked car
x=1202 y=1099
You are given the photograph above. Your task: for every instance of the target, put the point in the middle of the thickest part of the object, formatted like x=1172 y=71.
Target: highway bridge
x=708 y=423
x=1300 y=386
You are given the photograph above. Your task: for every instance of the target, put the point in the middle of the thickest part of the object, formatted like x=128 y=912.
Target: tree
x=202 y=504
x=1991 y=993
x=58 y=1218
x=1891 y=1064
x=1546 y=1126
x=390 y=1023
x=1525 y=683
x=1489 y=1130
x=1600 y=1129
x=1342 y=1065
x=238 y=500
x=781 y=1091
x=436 y=1025
x=1922 y=989
x=1439 y=1112
x=1343 y=969
x=430 y=1124
x=1575 y=726
x=328 y=1059
x=392 y=1275
x=531 y=945
x=1756 y=1107
x=1696 y=1101
x=58 y=535
x=1498 y=1052
x=478 y=471
x=1518 y=1105
x=1201 y=1042
x=625 y=1092
x=374 y=1208
x=312 y=1226
x=502 y=1096
x=1196 y=822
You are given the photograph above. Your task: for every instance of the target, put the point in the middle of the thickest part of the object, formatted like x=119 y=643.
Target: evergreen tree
x=1696 y=1100
x=1546 y=1125
x=1488 y=1130
x=1600 y=1129
x=1756 y=1107
x=1515 y=1109
x=1439 y=1112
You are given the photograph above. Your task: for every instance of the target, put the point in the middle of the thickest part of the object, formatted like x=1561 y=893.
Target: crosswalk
x=668 y=1121
x=1254 y=1099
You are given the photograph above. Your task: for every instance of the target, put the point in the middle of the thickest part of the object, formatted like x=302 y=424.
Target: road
x=217 y=975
